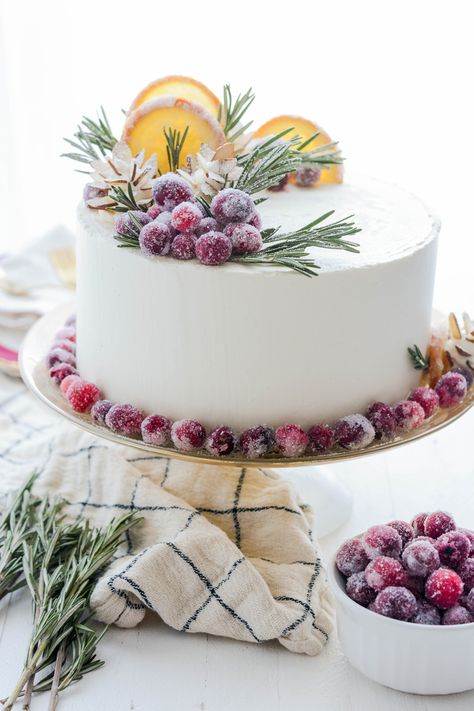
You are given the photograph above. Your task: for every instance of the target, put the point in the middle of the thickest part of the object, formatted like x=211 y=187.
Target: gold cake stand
x=331 y=501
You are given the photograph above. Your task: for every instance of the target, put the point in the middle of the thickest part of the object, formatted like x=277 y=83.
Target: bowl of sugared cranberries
x=405 y=603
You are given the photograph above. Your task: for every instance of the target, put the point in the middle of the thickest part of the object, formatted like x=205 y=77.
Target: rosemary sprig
x=267 y=163
x=174 y=146
x=418 y=360
x=125 y=199
x=92 y=140
x=290 y=249
x=231 y=111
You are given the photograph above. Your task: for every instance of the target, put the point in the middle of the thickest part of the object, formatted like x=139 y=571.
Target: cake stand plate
x=320 y=488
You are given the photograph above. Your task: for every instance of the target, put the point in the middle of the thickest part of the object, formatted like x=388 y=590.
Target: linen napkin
x=220 y=550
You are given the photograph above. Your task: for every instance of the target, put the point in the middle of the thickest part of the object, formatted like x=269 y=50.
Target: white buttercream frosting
x=243 y=345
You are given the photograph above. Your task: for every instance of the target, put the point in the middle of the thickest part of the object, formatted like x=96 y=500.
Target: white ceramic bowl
x=420 y=659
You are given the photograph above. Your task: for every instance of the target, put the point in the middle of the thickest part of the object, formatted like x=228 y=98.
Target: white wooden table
x=153 y=667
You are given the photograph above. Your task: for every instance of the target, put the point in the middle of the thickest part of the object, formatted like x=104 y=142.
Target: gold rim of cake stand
x=36 y=378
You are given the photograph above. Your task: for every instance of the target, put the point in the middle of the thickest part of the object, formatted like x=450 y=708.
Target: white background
x=392 y=81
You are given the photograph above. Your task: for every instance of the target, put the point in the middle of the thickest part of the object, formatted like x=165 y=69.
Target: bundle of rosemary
x=59 y=562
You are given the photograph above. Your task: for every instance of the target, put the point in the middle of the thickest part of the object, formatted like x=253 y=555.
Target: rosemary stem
x=28 y=671
x=54 y=694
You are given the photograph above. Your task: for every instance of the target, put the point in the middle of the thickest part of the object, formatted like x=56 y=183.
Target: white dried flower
x=121 y=168
x=460 y=345
x=209 y=170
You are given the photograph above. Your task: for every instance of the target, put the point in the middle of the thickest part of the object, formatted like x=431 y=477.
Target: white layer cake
x=244 y=345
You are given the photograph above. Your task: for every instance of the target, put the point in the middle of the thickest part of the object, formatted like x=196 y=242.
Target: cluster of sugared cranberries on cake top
x=420 y=572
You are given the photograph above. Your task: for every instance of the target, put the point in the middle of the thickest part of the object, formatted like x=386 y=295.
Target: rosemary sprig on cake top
x=92 y=140
x=231 y=112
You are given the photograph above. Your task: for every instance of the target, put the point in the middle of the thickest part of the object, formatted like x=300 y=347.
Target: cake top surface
x=394 y=222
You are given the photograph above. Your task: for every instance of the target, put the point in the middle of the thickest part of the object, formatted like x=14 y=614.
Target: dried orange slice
x=143 y=128
x=182 y=88
x=304 y=128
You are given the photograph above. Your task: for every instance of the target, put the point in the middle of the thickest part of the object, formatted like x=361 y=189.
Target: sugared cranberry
x=451 y=389
x=91 y=191
x=170 y=190
x=405 y=531
x=396 y=602
x=466 y=572
x=453 y=548
x=81 y=395
x=188 y=435
x=156 y=430
x=281 y=185
x=470 y=601
x=291 y=440
x=427 y=398
x=213 y=248
x=426 y=614
x=126 y=222
x=321 y=439
x=416 y=585
x=155 y=239
x=439 y=522
x=359 y=590
x=232 y=205
x=257 y=441
x=307 y=175
x=71 y=320
x=444 y=588
x=60 y=355
x=466 y=373
x=154 y=211
x=164 y=218
x=418 y=524
x=383 y=420
x=384 y=571
x=221 y=441
x=66 y=382
x=255 y=220
x=186 y=216
x=183 y=246
x=67 y=333
x=125 y=419
x=420 y=558
x=69 y=346
x=382 y=541
x=409 y=415
x=351 y=557
x=457 y=615
x=60 y=371
x=100 y=409
x=469 y=535
x=245 y=238
x=354 y=432
x=207 y=224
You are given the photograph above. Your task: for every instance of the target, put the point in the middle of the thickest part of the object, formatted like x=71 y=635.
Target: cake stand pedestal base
x=329 y=499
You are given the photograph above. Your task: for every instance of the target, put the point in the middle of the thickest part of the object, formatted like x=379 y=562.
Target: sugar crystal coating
x=71 y=320
x=409 y=414
x=257 y=441
x=125 y=222
x=453 y=548
x=170 y=190
x=232 y=205
x=155 y=239
x=383 y=572
x=81 y=395
x=418 y=524
x=382 y=540
x=396 y=602
x=439 y=522
x=359 y=590
x=420 y=558
x=60 y=371
x=65 y=345
x=255 y=220
x=207 y=224
x=66 y=332
x=451 y=389
x=426 y=614
x=186 y=216
x=427 y=398
x=443 y=588
x=125 y=419
x=156 y=430
x=60 y=355
x=457 y=615
x=405 y=530
x=291 y=440
x=154 y=211
x=183 y=246
x=100 y=409
x=383 y=420
x=188 y=435
x=245 y=238
x=354 y=432
x=466 y=373
x=66 y=382
x=321 y=439
x=470 y=601
x=213 y=248
x=466 y=572
x=470 y=535
x=351 y=557
x=307 y=175
x=221 y=441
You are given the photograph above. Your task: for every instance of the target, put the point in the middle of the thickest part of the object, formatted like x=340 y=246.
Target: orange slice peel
x=180 y=86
